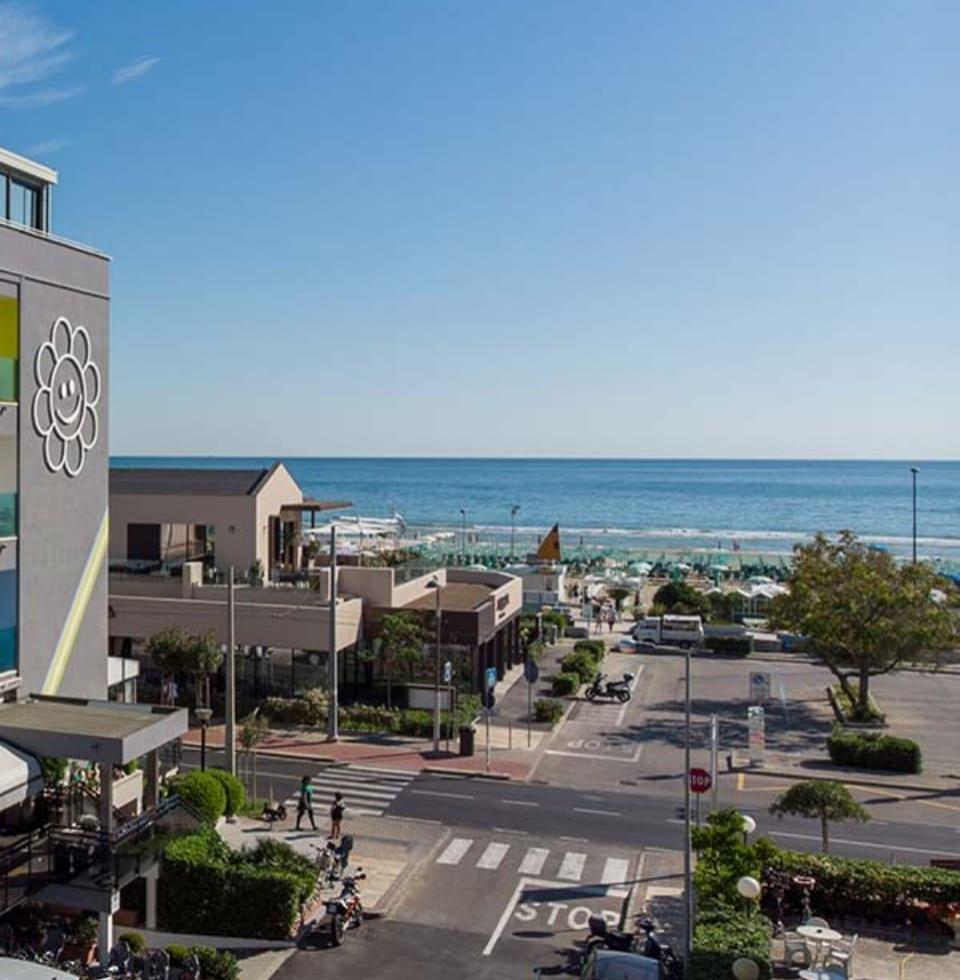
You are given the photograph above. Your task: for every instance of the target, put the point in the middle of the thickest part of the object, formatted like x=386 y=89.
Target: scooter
x=346 y=910
x=601 y=934
x=656 y=949
x=619 y=690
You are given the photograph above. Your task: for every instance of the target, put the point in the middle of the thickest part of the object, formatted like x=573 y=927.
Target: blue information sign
x=491 y=678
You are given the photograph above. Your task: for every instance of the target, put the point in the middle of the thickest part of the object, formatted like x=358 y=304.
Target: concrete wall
x=279 y=489
x=506 y=597
x=62 y=611
x=376 y=586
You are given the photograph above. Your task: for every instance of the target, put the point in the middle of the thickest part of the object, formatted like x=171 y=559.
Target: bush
x=595 y=648
x=722 y=936
x=216 y=964
x=555 y=618
x=580 y=662
x=872 y=750
x=203 y=791
x=233 y=789
x=737 y=646
x=547 y=709
x=565 y=684
x=134 y=941
x=178 y=954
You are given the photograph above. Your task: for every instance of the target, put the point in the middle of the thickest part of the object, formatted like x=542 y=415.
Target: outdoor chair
x=797 y=954
x=840 y=954
x=815 y=920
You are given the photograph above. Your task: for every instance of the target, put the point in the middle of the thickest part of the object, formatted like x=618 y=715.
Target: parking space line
x=633 y=687
x=585 y=755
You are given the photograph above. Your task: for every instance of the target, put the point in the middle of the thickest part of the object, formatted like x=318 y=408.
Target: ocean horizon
x=642 y=505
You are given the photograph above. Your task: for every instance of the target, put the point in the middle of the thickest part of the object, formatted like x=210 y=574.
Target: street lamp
x=436 y=586
x=203 y=716
x=463 y=535
x=514 y=510
x=914 y=471
x=749 y=825
x=687 y=857
x=745 y=969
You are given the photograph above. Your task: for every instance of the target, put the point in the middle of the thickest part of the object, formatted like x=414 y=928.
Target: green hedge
x=214 y=964
x=861 y=888
x=565 y=684
x=722 y=936
x=547 y=709
x=873 y=750
x=738 y=646
x=206 y=887
x=595 y=648
x=233 y=790
x=580 y=662
x=203 y=791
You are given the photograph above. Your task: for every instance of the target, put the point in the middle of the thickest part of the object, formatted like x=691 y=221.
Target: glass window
x=3 y=195
x=24 y=204
x=9 y=348
x=8 y=620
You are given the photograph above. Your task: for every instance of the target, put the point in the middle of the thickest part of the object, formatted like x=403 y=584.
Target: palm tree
x=823 y=798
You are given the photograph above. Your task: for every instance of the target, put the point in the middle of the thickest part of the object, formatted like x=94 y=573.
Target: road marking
x=601 y=758
x=509 y=830
x=863 y=843
x=633 y=687
x=405 y=774
x=571 y=867
x=595 y=799
x=676 y=820
x=447 y=796
x=454 y=851
x=579 y=840
x=602 y=813
x=519 y=803
x=741 y=779
x=615 y=872
x=533 y=861
x=492 y=856
x=507 y=913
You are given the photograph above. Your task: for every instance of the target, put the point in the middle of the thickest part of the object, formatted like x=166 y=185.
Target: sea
x=643 y=507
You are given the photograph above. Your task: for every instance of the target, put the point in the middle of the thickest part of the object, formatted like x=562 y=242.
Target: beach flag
x=549 y=549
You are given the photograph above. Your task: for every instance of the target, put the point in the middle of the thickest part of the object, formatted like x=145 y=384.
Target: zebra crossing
x=366 y=790
x=612 y=876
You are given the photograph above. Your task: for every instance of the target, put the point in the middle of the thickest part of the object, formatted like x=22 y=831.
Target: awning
x=20 y=776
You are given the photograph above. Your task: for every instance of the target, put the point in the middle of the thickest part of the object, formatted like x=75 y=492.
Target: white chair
x=797 y=953
x=840 y=954
x=817 y=921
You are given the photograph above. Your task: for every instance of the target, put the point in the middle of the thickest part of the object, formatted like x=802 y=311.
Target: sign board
x=531 y=671
x=424 y=697
x=491 y=678
x=700 y=780
x=488 y=699
x=759 y=687
x=447 y=672
x=757 y=733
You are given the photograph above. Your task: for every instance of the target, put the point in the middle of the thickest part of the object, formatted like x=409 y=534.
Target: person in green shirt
x=305 y=803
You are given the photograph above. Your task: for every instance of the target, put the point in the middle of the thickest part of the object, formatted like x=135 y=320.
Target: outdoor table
x=819 y=935
x=816 y=974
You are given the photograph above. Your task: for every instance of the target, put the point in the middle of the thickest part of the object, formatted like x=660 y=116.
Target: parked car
x=611 y=964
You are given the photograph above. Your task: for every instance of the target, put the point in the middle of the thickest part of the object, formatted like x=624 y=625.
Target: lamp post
x=913 y=472
x=463 y=535
x=203 y=716
x=687 y=858
x=333 y=668
x=436 y=586
x=514 y=510
x=749 y=825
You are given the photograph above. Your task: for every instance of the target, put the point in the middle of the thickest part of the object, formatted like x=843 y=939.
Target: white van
x=674 y=631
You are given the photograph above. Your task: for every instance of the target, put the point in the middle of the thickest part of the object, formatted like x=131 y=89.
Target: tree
x=682 y=599
x=167 y=649
x=177 y=652
x=618 y=593
x=864 y=613
x=253 y=731
x=401 y=638
x=204 y=656
x=823 y=798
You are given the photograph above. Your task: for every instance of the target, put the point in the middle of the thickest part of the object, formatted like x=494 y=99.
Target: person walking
x=336 y=815
x=305 y=803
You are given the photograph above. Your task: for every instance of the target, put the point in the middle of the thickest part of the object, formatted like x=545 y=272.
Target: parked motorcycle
x=601 y=934
x=656 y=949
x=619 y=690
x=346 y=910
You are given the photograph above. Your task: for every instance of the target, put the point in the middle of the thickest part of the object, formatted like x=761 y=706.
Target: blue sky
x=500 y=228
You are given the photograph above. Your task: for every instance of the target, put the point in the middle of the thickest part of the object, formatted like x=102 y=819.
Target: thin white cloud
x=129 y=72
x=32 y=50
x=47 y=147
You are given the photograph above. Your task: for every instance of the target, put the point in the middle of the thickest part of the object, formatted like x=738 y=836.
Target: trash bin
x=467 y=733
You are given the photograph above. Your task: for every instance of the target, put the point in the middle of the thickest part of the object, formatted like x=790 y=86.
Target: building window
x=24 y=207
x=9 y=348
x=8 y=486
x=8 y=620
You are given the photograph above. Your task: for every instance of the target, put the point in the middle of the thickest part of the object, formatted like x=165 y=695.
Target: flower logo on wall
x=65 y=405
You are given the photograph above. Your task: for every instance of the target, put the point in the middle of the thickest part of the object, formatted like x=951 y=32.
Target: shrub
x=565 y=684
x=203 y=791
x=547 y=709
x=178 y=954
x=233 y=789
x=722 y=936
x=555 y=618
x=134 y=941
x=216 y=964
x=735 y=646
x=288 y=711
x=595 y=648
x=873 y=750
x=581 y=663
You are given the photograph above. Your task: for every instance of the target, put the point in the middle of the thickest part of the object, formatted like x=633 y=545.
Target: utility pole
x=914 y=471
x=463 y=535
x=687 y=860
x=230 y=709
x=333 y=674
x=436 y=679
x=514 y=510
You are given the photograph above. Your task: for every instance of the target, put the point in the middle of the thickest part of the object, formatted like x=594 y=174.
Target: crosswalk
x=613 y=875
x=366 y=789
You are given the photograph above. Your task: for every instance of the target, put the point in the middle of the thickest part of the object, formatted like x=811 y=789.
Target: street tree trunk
x=825 y=833
x=863 y=695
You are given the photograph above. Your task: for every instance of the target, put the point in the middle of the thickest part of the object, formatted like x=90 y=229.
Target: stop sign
x=700 y=780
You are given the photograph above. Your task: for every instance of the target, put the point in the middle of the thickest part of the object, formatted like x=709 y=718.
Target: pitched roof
x=160 y=480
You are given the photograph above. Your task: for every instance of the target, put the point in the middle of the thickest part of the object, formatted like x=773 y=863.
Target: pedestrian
x=305 y=803
x=611 y=617
x=336 y=815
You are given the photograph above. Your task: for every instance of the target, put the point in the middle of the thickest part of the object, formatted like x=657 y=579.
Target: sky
x=538 y=228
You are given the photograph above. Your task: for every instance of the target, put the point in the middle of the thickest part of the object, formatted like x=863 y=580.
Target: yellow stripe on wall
x=78 y=609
